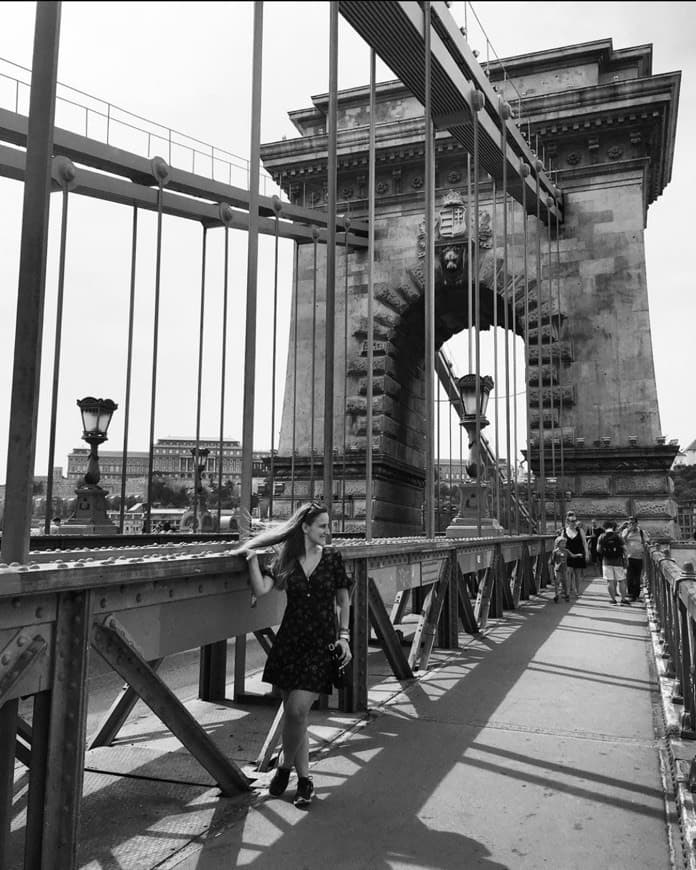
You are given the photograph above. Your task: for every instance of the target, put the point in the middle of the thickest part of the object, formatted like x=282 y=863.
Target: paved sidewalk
x=539 y=745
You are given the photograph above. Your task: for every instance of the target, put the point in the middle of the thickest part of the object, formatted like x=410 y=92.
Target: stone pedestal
x=615 y=482
x=90 y=516
x=466 y=523
x=467 y=527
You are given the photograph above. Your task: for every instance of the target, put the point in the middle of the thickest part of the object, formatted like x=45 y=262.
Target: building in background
x=173 y=461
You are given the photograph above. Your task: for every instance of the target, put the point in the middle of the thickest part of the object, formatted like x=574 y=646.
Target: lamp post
x=473 y=516
x=90 y=511
x=200 y=457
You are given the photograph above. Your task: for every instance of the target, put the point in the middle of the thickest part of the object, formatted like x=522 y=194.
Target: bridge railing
x=135 y=606
x=672 y=587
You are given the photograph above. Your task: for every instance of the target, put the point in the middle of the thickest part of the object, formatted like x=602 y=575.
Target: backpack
x=612 y=546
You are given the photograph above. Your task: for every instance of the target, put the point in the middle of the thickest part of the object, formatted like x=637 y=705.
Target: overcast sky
x=187 y=66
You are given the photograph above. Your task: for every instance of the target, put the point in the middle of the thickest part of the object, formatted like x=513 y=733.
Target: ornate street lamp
x=90 y=512
x=475 y=406
x=473 y=517
x=200 y=457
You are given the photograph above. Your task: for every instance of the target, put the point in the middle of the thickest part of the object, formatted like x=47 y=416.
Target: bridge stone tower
x=606 y=126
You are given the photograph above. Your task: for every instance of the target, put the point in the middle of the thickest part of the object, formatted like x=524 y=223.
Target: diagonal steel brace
x=114 y=645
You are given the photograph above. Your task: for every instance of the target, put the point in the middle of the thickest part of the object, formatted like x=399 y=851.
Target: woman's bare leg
x=296 y=707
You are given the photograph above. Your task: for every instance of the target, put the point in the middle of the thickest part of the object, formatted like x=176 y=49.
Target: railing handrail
x=110 y=566
x=162 y=131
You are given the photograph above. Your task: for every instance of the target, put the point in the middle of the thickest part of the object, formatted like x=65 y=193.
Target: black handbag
x=338 y=673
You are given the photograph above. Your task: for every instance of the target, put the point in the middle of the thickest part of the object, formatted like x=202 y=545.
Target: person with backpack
x=610 y=548
x=634 y=544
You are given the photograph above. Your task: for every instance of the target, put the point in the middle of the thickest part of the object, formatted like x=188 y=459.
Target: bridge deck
x=540 y=743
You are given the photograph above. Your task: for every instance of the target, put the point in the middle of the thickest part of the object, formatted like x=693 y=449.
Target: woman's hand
x=346 y=654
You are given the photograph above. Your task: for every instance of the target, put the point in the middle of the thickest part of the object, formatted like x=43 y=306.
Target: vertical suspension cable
x=296 y=291
x=451 y=478
x=155 y=342
x=277 y=206
x=64 y=170
x=471 y=230
x=560 y=386
x=330 y=308
x=524 y=173
x=315 y=238
x=429 y=280
x=197 y=469
x=346 y=227
x=129 y=368
x=438 y=457
x=494 y=200
x=223 y=372
x=515 y=423
x=477 y=105
x=552 y=403
x=504 y=110
x=252 y=274
x=370 y=292
x=542 y=447
x=31 y=285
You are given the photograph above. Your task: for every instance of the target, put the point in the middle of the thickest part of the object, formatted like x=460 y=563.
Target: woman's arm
x=260 y=583
x=343 y=602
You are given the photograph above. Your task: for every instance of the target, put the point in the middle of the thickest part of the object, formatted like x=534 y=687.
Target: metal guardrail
x=672 y=588
x=105 y=122
x=59 y=606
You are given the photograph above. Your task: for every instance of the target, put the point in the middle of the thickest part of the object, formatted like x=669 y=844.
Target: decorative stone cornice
x=614 y=460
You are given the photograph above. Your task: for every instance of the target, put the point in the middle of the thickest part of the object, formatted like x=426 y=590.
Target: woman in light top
x=300 y=661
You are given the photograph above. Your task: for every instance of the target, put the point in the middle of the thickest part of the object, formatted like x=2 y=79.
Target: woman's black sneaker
x=279 y=782
x=305 y=792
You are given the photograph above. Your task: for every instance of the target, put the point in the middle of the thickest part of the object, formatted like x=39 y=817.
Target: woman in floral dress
x=300 y=662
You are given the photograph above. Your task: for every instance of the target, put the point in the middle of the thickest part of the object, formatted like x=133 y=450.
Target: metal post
x=63 y=171
x=197 y=485
x=295 y=294
x=524 y=173
x=31 y=286
x=507 y=296
x=252 y=272
x=429 y=366
x=147 y=527
x=370 y=293
x=542 y=469
x=223 y=373
x=129 y=369
x=332 y=160
x=477 y=105
x=277 y=207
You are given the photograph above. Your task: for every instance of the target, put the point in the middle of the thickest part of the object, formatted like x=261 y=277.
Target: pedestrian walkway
x=538 y=745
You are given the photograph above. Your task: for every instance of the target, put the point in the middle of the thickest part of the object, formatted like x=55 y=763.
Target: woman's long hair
x=291 y=539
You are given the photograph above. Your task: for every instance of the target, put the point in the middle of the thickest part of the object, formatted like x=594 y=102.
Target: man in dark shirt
x=610 y=549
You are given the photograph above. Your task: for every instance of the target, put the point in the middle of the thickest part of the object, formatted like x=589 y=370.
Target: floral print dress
x=299 y=657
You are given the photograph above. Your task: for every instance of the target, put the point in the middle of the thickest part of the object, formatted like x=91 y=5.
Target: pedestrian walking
x=610 y=549
x=634 y=545
x=576 y=544
x=595 y=531
x=301 y=660
x=559 y=561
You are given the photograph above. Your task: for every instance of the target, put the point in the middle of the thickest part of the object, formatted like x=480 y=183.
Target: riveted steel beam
x=124 y=192
x=8 y=729
x=65 y=754
x=118 y=650
x=386 y=635
x=17 y=657
x=432 y=620
x=116 y=161
x=396 y=32
x=119 y=711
